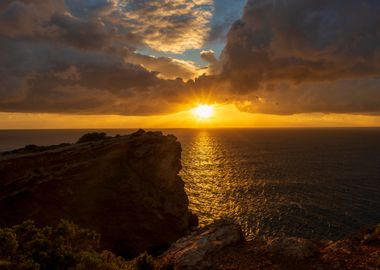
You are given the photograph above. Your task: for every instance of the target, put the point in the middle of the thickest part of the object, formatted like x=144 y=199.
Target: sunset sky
x=149 y=63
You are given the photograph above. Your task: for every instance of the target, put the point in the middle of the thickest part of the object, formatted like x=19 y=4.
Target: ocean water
x=313 y=183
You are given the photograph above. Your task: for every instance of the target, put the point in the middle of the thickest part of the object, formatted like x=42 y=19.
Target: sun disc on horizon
x=203 y=111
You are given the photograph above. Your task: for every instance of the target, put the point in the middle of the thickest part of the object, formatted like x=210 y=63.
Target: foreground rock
x=355 y=252
x=292 y=247
x=126 y=188
x=194 y=251
x=220 y=246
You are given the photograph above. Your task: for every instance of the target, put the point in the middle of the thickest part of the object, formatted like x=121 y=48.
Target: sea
x=311 y=183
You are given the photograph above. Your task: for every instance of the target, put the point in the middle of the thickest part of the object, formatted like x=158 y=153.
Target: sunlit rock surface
x=194 y=251
x=220 y=246
x=293 y=247
x=126 y=188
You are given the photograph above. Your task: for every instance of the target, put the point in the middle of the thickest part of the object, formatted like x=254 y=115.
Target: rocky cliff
x=220 y=246
x=126 y=188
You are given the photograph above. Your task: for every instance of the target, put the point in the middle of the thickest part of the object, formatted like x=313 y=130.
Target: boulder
x=126 y=188
x=196 y=250
x=296 y=248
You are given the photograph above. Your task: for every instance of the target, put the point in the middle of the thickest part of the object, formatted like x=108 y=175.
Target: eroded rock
x=126 y=188
x=296 y=248
x=194 y=251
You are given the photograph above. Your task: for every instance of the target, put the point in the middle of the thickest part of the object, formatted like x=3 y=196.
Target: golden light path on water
x=213 y=189
x=279 y=182
x=221 y=183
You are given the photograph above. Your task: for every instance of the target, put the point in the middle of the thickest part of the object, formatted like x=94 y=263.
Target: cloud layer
x=170 y=26
x=305 y=56
x=80 y=56
x=282 y=56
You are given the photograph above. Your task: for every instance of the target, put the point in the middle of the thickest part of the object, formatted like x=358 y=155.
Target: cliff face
x=126 y=188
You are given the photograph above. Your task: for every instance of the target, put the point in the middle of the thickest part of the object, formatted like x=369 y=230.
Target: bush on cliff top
x=26 y=247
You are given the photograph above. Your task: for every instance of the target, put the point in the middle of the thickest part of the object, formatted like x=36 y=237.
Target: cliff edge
x=126 y=188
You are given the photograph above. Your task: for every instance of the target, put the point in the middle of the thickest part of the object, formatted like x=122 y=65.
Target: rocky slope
x=220 y=246
x=126 y=188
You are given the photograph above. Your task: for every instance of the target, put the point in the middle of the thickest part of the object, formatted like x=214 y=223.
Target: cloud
x=26 y=18
x=79 y=57
x=82 y=34
x=354 y=96
x=214 y=66
x=41 y=77
x=209 y=56
x=170 y=26
x=80 y=8
x=282 y=57
x=168 y=68
x=304 y=56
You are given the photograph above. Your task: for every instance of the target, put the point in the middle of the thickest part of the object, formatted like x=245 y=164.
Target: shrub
x=26 y=247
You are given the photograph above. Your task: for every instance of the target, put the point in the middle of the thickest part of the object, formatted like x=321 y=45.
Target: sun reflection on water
x=213 y=188
x=207 y=186
x=223 y=180
x=274 y=184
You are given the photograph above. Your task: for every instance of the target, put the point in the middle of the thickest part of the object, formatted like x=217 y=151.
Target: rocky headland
x=127 y=189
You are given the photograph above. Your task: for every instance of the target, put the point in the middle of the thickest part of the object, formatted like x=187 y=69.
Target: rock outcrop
x=193 y=252
x=126 y=188
x=360 y=251
x=292 y=247
x=220 y=246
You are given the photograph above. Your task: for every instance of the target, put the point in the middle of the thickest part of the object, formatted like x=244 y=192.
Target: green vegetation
x=27 y=247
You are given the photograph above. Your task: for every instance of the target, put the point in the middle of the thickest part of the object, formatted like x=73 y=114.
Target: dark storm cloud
x=311 y=47
x=41 y=77
x=23 y=18
x=81 y=34
x=304 y=41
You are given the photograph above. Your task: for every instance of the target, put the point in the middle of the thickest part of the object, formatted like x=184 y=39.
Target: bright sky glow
x=224 y=116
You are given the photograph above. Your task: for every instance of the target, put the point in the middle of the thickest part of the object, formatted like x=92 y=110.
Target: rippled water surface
x=317 y=183
x=309 y=183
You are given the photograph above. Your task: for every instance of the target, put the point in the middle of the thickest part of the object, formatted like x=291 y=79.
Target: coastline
x=216 y=246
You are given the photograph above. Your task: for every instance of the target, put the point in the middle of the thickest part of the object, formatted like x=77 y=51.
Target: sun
x=203 y=111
